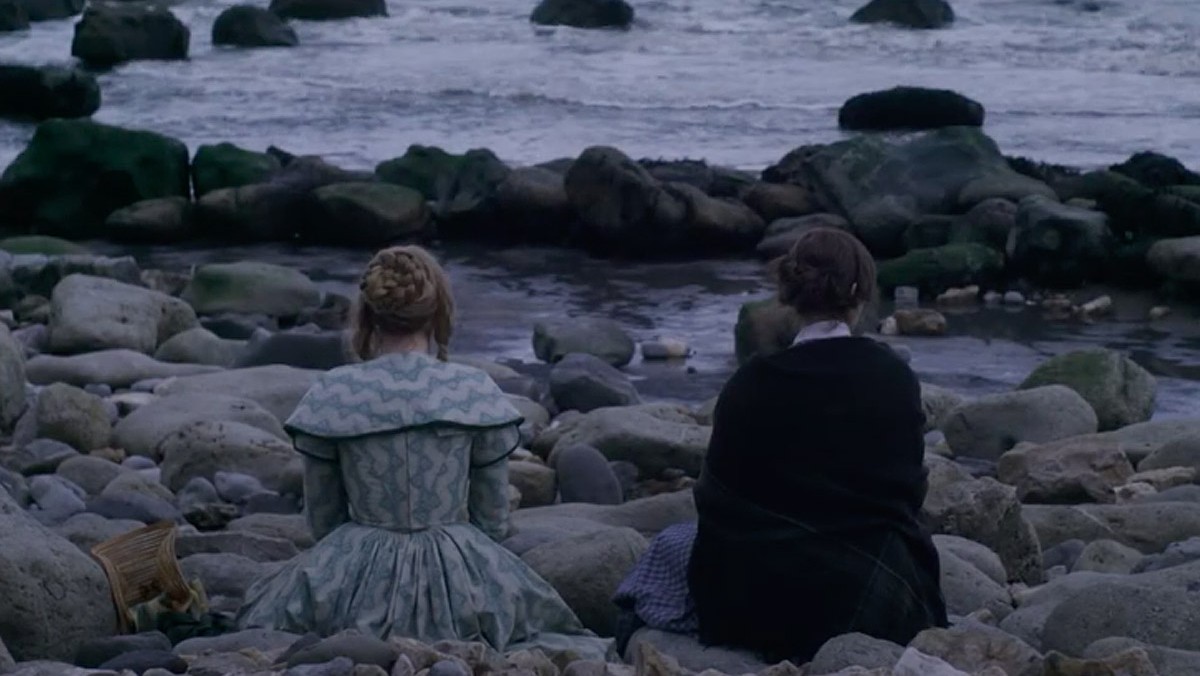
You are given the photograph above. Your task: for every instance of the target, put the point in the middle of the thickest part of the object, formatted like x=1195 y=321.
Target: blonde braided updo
x=402 y=292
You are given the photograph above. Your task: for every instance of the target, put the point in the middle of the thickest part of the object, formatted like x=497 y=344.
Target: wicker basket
x=141 y=566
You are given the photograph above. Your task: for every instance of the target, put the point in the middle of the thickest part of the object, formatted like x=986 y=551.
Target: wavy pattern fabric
x=408 y=519
x=397 y=392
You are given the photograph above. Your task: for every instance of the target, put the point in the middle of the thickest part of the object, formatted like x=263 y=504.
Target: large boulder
x=884 y=185
x=42 y=93
x=278 y=389
x=990 y=426
x=1134 y=209
x=74 y=173
x=1181 y=451
x=1176 y=260
x=640 y=435
x=763 y=327
x=601 y=338
x=587 y=569
x=49 y=10
x=115 y=368
x=13 y=399
x=250 y=26
x=225 y=165
x=1121 y=392
x=1147 y=527
x=37 y=275
x=937 y=269
x=583 y=13
x=93 y=313
x=201 y=449
x=907 y=13
x=163 y=220
x=282 y=207
x=55 y=596
x=1065 y=472
x=1163 y=615
x=427 y=169
x=1155 y=170
x=910 y=108
x=369 y=215
x=74 y=417
x=111 y=34
x=326 y=10
x=581 y=382
x=251 y=288
x=199 y=346
x=987 y=512
x=781 y=234
x=318 y=351
x=973 y=647
x=967 y=589
x=622 y=208
x=1057 y=244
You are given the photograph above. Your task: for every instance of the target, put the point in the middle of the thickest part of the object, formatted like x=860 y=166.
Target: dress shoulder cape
x=398 y=392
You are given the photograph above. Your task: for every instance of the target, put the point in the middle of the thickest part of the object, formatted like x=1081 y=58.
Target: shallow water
x=738 y=83
x=502 y=293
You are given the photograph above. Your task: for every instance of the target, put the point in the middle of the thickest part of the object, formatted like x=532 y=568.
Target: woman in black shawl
x=809 y=498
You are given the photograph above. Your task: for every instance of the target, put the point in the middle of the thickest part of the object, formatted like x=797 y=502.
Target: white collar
x=822 y=330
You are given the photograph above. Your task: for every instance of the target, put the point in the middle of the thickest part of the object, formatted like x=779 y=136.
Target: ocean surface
x=1080 y=82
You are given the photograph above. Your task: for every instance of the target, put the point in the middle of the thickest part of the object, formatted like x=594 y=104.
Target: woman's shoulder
x=399 y=392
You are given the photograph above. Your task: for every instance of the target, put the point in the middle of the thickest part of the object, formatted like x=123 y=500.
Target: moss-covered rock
x=937 y=269
x=923 y=14
x=426 y=169
x=40 y=244
x=45 y=92
x=111 y=34
x=251 y=288
x=763 y=327
x=225 y=165
x=583 y=13
x=1059 y=245
x=74 y=173
x=1121 y=392
x=369 y=214
x=1135 y=209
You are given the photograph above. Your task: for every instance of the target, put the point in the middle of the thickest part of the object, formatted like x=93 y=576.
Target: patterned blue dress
x=406 y=489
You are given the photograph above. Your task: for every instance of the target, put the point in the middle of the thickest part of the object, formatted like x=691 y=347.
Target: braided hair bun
x=826 y=274
x=402 y=292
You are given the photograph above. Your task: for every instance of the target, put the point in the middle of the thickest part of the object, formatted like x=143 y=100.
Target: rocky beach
x=172 y=283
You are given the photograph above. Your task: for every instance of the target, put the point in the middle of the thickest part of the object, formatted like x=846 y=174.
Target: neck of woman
x=413 y=342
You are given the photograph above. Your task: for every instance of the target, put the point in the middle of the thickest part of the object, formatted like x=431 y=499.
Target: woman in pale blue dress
x=406 y=489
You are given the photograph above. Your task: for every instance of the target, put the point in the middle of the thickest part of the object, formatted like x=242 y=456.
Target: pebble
x=1096 y=307
x=128 y=402
x=993 y=298
x=98 y=389
x=968 y=295
x=138 y=462
x=57 y=497
x=340 y=666
x=237 y=488
x=1159 y=312
x=1014 y=298
x=665 y=348
x=42 y=456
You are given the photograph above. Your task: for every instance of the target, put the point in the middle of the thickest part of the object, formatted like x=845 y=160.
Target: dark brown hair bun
x=826 y=274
